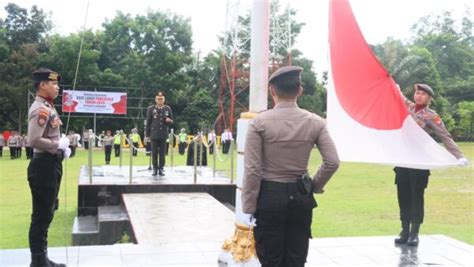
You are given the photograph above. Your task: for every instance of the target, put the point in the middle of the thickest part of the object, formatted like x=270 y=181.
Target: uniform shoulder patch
x=43 y=115
x=437 y=119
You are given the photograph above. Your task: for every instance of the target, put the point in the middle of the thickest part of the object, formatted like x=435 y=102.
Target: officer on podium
x=158 y=118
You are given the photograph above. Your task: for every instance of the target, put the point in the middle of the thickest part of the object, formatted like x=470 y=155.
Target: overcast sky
x=377 y=19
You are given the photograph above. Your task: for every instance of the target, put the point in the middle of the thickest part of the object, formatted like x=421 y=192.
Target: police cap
x=424 y=87
x=46 y=75
x=160 y=95
x=285 y=71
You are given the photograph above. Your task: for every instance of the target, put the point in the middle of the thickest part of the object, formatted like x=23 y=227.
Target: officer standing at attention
x=135 y=137
x=45 y=168
x=277 y=189
x=411 y=183
x=2 y=143
x=158 y=117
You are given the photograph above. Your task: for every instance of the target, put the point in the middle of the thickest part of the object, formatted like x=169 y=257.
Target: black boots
x=155 y=171
x=41 y=260
x=413 y=238
x=404 y=234
x=410 y=238
x=160 y=172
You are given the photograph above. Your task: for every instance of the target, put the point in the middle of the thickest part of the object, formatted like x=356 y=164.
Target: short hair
x=287 y=85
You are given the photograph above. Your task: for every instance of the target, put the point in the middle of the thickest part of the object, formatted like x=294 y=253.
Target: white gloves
x=463 y=162
x=249 y=220
x=67 y=153
x=63 y=143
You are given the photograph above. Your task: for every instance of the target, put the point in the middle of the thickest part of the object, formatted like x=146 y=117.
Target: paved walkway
x=183 y=217
x=438 y=250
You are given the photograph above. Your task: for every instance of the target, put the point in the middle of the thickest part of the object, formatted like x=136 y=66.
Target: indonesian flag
x=366 y=114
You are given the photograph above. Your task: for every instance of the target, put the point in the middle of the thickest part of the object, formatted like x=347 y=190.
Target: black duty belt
x=46 y=155
x=278 y=186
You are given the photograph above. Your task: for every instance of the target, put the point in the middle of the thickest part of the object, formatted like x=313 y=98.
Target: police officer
x=158 y=117
x=411 y=183
x=2 y=143
x=45 y=168
x=12 y=142
x=72 y=142
x=182 y=137
x=135 y=137
x=277 y=149
x=107 y=142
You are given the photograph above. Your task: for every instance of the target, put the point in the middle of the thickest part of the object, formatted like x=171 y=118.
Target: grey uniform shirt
x=431 y=122
x=108 y=140
x=43 y=126
x=278 y=145
x=2 y=140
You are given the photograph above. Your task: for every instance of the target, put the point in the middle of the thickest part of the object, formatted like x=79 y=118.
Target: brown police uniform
x=411 y=183
x=277 y=149
x=44 y=170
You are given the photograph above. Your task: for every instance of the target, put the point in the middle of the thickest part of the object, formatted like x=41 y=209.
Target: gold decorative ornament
x=242 y=244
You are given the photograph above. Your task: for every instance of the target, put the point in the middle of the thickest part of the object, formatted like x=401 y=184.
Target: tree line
x=154 y=51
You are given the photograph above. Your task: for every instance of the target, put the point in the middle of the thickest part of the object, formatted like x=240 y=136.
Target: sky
x=378 y=19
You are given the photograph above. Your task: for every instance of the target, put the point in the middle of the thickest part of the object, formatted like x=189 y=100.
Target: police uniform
x=2 y=143
x=107 y=142
x=135 y=137
x=12 y=141
x=182 y=142
x=277 y=149
x=411 y=183
x=157 y=129
x=72 y=143
x=44 y=170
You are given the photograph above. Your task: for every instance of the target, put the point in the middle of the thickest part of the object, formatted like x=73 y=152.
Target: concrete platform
x=110 y=182
x=164 y=218
x=438 y=250
x=106 y=175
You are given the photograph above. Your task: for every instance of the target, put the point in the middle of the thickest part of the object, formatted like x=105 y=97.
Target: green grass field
x=360 y=200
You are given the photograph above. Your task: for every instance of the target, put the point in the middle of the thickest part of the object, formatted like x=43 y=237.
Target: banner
x=94 y=102
x=366 y=114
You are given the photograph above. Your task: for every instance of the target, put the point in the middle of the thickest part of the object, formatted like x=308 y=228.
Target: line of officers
x=110 y=142
x=16 y=142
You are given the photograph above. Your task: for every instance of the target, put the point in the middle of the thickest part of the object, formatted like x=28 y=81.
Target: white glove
x=249 y=220
x=67 y=153
x=463 y=162
x=63 y=143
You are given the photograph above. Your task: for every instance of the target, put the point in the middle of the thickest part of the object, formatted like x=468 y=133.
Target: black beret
x=285 y=70
x=424 y=87
x=46 y=75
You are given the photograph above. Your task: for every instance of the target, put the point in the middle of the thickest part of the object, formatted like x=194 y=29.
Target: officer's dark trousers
x=18 y=152
x=86 y=145
x=135 y=149
x=158 y=146
x=211 y=148
x=28 y=152
x=181 y=148
x=108 y=151
x=12 y=152
x=225 y=147
x=73 y=151
x=411 y=184
x=117 y=150
x=44 y=177
x=283 y=225
x=1 y=151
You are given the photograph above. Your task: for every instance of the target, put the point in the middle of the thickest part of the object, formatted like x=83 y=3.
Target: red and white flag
x=366 y=114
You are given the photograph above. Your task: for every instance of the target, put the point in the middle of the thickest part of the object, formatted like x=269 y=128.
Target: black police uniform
x=157 y=130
